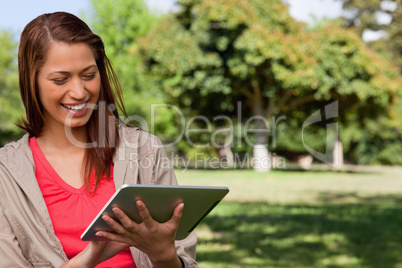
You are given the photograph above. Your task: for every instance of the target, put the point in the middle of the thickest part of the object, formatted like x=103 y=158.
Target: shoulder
x=13 y=151
x=140 y=140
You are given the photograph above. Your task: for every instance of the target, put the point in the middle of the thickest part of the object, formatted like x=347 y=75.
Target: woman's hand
x=89 y=257
x=153 y=238
x=111 y=249
x=95 y=253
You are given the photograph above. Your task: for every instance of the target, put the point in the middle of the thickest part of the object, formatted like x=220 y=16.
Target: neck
x=63 y=138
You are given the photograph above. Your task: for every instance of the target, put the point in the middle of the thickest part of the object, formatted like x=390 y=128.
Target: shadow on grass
x=273 y=235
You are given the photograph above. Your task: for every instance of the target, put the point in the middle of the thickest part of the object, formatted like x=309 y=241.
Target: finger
x=111 y=236
x=143 y=210
x=177 y=214
x=97 y=246
x=124 y=219
x=112 y=248
x=144 y=214
x=117 y=227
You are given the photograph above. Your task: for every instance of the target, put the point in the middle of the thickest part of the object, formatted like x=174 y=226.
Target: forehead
x=68 y=57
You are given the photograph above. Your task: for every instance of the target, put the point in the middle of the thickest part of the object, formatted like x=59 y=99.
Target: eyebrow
x=85 y=69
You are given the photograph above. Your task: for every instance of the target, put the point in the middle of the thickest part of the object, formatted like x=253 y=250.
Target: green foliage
x=120 y=24
x=381 y=143
x=362 y=15
x=382 y=140
x=212 y=54
x=202 y=54
x=10 y=104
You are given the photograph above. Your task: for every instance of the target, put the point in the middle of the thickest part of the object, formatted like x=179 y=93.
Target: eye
x=59 y=81
x=89 y=76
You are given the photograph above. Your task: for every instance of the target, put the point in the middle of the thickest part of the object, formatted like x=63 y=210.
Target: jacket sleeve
x=162 y=173
x=10 y=252
x=162 y=170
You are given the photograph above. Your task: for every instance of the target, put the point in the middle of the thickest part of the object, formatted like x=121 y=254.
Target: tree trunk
x=261 y=158
x=337 y=155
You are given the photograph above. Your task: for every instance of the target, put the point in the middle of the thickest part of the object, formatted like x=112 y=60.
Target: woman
x=76 y=153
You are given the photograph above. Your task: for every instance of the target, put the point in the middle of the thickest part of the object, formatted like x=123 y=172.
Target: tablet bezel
x=160 y=200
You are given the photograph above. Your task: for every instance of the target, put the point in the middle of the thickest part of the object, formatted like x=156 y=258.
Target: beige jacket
x=27 y=237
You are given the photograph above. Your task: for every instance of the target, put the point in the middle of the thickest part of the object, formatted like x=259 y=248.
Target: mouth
x=75 y=108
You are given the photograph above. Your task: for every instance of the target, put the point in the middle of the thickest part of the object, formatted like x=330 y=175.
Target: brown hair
x=34 y=44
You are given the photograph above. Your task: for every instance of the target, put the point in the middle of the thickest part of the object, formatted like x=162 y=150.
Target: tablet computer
x=160 y=201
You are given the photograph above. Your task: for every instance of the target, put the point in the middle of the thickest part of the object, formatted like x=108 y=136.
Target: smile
x=77 y=108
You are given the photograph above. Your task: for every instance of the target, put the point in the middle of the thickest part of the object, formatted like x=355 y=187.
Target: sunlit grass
x=300 y=186
x=301 y=219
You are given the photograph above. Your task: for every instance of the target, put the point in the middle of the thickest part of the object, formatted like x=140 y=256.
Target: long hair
x=36 y=38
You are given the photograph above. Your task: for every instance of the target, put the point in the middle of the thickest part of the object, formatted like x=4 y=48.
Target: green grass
x=301 y=219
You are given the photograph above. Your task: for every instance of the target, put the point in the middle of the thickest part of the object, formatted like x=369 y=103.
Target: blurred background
x=312 y=86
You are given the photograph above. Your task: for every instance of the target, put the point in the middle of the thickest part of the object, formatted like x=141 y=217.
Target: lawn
x=301 y=219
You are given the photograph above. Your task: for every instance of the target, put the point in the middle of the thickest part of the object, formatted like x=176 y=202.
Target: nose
x=77 y=90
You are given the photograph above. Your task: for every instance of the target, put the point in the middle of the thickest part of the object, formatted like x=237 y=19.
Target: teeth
x=76 y=107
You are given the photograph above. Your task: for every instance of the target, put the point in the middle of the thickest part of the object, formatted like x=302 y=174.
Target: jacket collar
x=125 y=159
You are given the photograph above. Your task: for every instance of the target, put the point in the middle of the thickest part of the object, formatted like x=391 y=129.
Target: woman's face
x=69 y=85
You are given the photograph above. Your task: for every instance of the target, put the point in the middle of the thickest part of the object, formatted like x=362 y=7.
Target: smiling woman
x=54 y=49
x=68 y=82
x=76 y=153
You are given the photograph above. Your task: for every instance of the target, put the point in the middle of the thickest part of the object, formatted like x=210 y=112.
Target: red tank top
x=72 y=210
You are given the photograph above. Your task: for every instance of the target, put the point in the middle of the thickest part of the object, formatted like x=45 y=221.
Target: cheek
x=95 y=87
x=47 y=93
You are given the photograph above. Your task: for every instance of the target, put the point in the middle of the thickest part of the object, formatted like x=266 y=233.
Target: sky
x=17 y=13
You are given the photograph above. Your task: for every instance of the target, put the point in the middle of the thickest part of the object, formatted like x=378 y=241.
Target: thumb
x=97 y=247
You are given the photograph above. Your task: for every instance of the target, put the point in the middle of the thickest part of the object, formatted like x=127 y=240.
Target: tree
x=120 y=24
x=10 y=103
x=382 y=142
x=213 y=54
x=363 y=15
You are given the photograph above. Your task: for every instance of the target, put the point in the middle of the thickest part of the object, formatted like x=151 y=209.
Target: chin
x=80 y=124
